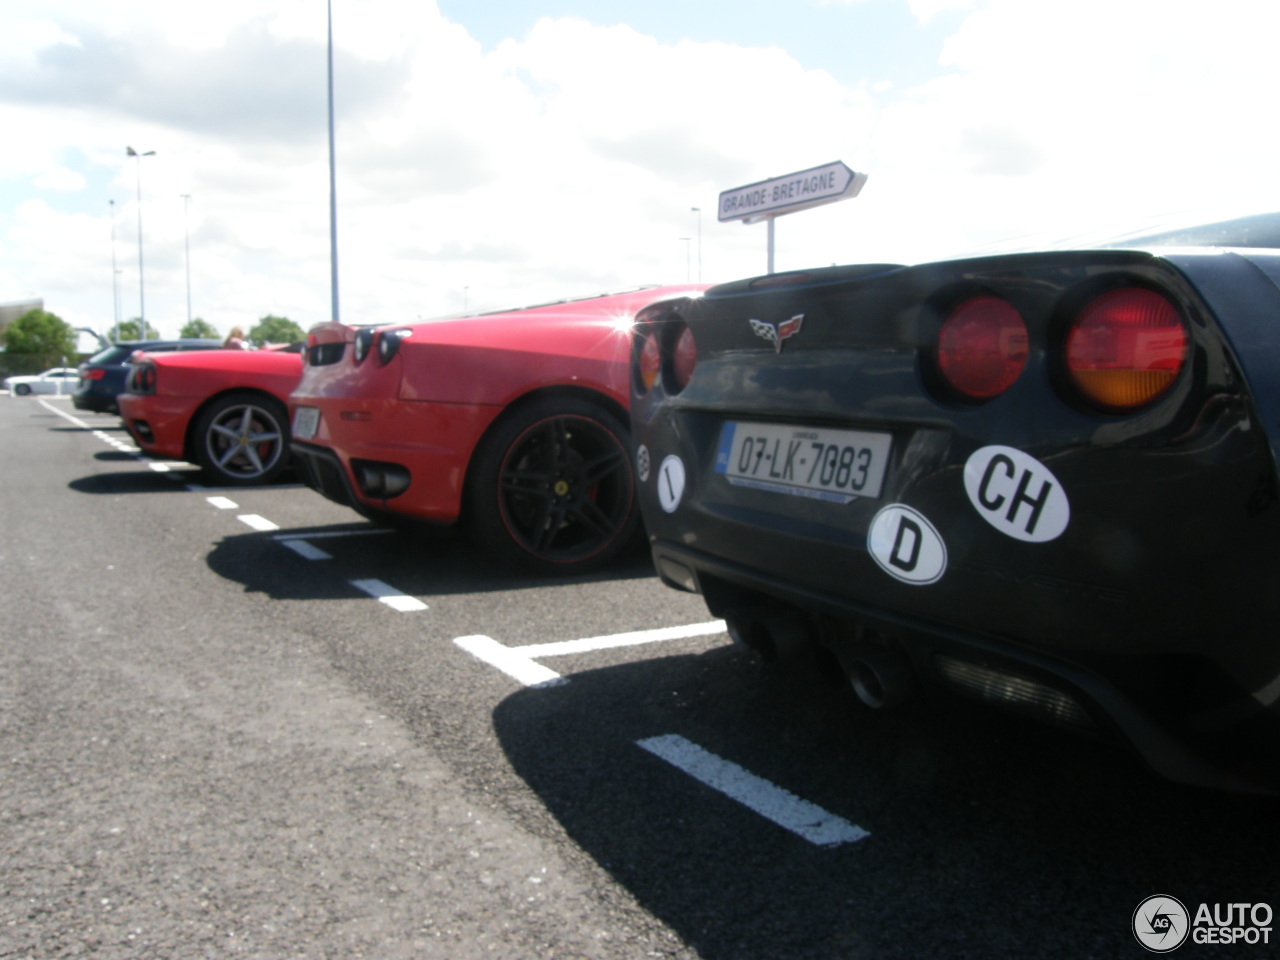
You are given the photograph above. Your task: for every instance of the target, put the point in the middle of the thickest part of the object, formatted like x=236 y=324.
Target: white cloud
x=60 y=179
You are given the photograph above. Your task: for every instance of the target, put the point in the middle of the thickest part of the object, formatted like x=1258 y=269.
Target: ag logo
x=906 y=545
x=1161 y=924
x=1016 y=494
x=642 y=463
x=776 y=334
x=670 y=483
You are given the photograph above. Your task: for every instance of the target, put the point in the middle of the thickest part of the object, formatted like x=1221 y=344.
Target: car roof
x=123 y=348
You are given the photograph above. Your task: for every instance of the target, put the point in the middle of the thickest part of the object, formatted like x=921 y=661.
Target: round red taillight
x=1126 y=348
x=142 y=379
x=982 y=347
x=648 y=362
x=684 y=357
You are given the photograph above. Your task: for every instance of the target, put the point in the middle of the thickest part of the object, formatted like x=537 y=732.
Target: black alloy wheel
x=22 y=389
x=242 y=439
x=552 y=489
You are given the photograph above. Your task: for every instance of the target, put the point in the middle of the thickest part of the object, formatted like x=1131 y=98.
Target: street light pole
x=186 y=240
x=142 y=290
x=115 y=281
x=333 y=184
x=687 y=267
x=698 y=211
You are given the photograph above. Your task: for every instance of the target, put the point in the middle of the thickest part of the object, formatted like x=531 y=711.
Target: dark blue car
x=102 y=375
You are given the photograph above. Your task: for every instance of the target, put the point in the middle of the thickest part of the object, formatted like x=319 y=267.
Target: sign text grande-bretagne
x=795 y=191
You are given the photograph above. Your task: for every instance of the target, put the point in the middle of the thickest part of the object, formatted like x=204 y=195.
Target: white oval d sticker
x=906 y=545
x=1016 y=494
x=670 y=483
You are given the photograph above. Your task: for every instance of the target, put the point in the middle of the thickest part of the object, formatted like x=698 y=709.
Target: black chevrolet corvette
x=1044 y=480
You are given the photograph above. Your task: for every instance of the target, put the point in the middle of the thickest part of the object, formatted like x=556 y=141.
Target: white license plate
x=817 y=462
x=306 y=421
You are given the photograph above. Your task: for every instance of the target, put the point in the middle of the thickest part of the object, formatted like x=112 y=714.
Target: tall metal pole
x=698 y=211
x=186 y=239
x=115 y=280
x=333 y=183
x=770 y=220
x=142 y=289
x=688 y=268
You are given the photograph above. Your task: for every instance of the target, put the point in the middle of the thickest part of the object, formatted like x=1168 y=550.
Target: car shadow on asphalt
x=173 y=478
x=130 y=481
x=983 y=828
x=417 y=561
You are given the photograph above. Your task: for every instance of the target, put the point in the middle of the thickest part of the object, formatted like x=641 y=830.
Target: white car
x=56 y=380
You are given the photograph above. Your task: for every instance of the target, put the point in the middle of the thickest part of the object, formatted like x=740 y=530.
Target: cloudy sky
x=499 y=152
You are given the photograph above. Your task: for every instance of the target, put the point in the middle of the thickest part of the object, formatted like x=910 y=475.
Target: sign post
x=792 y=193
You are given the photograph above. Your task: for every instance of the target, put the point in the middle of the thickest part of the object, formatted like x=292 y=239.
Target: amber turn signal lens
x=982 y=347
x=1126 y=348
x=648 y=361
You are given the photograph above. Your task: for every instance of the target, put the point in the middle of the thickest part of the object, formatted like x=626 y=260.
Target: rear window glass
x=120 y=352
x=114 y=354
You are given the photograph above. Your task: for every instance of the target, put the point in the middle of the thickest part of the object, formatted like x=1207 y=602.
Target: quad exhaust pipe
x=770 y=633
x=879 y=675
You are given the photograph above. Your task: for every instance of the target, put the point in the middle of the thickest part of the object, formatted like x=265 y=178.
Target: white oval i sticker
x=670 y=483
x=1016 y=494
x=906 y=545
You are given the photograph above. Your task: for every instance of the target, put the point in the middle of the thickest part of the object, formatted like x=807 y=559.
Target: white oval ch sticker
x=906 y=545
x=670 y=483
x=1016 y=494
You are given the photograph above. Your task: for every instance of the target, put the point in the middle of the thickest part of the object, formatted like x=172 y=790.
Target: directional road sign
x=795 y=191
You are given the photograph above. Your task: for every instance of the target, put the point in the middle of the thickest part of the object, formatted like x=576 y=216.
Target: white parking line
x=518 y=666
x=306 y=549
x=518 y=662
x=387 y=594
x=222 y=503
x=772 y=802
x=118 y=444
x=62 y=413
x=257 y=522
x=322 y=534
x=620 y=640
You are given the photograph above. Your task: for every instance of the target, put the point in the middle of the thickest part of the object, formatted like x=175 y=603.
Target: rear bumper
x=158 y=424
x=392 y=456
x=1237 y=748
x=95 y=403
x=321 y=470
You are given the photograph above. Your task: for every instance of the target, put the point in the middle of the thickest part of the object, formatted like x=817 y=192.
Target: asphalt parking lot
x=247 y=722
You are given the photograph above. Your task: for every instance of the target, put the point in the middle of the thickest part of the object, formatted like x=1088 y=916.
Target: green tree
x=272 y=329
x=198 y=327
x=39 y=331
x=129 y=330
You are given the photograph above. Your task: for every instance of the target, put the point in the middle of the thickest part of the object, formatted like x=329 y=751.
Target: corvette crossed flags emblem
x=776 y=334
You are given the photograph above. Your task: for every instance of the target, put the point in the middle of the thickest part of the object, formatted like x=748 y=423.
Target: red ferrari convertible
x=223 y=409
x=514 y=422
